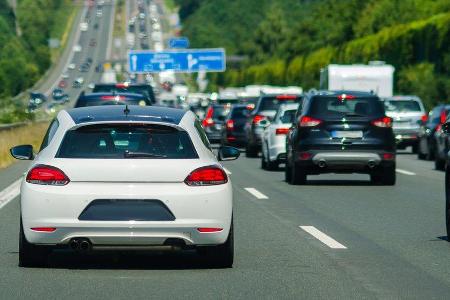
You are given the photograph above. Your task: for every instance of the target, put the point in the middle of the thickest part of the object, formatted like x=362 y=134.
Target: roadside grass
x=62 y=26
x=170 y=4
x=32 y=134
x=120 y=20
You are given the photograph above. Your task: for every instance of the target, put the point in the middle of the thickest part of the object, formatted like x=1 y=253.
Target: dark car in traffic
x=441 y=141
x=341 y=132
x=265 y=109
x=214 y=121
x=97 y=99
x=233 y=132
x=36 y=100
x=144 y=89
x=427 y=141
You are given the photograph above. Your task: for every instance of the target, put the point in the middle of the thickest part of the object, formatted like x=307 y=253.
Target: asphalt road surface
x=337 y=237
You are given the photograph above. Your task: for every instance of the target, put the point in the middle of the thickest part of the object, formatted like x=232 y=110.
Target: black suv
x=341 y=132
x=265 y=109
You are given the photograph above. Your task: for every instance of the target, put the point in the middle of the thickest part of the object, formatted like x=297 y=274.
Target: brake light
x=346 y=97
x=443 y=117
x=209 y=229
x=281 y=131
x=384 y=122
x=116 y=98
x=439 y=127
x=304 y=155
x=307 y=121
x=122 y=85
x=258 y=118
x=250 y=106
x=44 y=229
x=210 y=175
x=208 y=122
x=230 y=124
x=286 y=97
x=388 y=156
x=424 y=118
x=231 y=138
x=47 y=175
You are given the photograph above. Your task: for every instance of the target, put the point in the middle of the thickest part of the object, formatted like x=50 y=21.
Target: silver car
x=407 y=113
x=274 y=136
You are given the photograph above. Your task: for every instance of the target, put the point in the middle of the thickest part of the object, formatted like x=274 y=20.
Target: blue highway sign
x=183 y=61
x=179 y=42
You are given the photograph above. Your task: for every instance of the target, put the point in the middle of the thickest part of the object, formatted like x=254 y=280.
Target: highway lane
x=391 y=236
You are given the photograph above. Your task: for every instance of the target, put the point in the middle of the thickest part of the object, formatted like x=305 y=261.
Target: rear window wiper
x=354 y=115
x=129 y=154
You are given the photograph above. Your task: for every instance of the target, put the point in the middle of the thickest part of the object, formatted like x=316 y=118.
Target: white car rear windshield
x=402 y=106
x=127 y=141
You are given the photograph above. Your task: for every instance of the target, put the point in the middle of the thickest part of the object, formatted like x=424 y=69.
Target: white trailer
x=375 y=77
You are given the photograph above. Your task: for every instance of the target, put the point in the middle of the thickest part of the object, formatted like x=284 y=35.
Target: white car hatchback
x=126 y=178
x=273 y=146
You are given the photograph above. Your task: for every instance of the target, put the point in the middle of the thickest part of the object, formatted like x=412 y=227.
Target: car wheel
x=31 y=255
x=298 y=176
x=420 y=155
x=251 y=151
x=439 y=164
x=263 y=161
x=221 y=256
x=447 y=201
x=287 y=173
x=415 y=149
x=389 y=176
x=272 y=165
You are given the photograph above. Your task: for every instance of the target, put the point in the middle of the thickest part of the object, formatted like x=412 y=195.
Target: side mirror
x=446 y=128
x=228 y=153
x=264 y=123
x=22 y=152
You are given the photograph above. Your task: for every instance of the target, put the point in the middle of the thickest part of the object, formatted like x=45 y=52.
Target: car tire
x=447 y=201
x=30 y=255
x=221 y=256
x=287 y=173
x=420 y=155
x=439 y=164
x=263 y=161
x=389 y=176
x=272 y=165
x=251 y=151
x=415 y=149
x=298 y=176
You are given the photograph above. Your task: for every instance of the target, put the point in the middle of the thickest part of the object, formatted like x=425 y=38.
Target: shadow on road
x=181 y=260
x=333 y=182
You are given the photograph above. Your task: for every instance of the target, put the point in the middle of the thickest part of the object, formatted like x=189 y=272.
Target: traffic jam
x=152 y=169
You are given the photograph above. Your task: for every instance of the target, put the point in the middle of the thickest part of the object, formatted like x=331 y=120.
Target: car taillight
x=208 y=122
x=443 y=117
x=210 y=175
x=424 y=118
x=258 y=118
x=230 y=124
x=439 y=127
x=44 y=229
x=346 y=97
x=286 y=97
x=388 y=156
x=307 y=121
x=116 y=98
x=209 y=229
x=384 y=122
x=281 y=131
x=47 y=175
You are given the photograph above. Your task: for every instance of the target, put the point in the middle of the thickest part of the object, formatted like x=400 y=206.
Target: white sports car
x=126 y=177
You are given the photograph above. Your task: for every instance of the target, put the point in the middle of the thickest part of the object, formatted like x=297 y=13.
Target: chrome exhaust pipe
x=322 y=164
x=371 y=164
x=85 y=245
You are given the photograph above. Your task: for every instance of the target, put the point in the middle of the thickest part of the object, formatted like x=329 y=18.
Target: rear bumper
x=343 y=161
x=405 y=137
x=61 y=206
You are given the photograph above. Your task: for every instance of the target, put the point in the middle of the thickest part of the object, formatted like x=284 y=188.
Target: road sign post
x=180 y=61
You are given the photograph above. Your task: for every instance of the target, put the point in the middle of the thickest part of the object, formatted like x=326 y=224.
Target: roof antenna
x=126 y=111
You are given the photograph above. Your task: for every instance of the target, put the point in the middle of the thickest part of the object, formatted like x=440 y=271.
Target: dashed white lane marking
x=227 y=171
x=256 y=193
x=329 y=241
x=10 y=192
x=404 y=172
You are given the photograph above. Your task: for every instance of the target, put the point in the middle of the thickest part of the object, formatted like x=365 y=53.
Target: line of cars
x=322 y=132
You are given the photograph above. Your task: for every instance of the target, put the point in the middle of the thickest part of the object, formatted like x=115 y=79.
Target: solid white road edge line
x=10 y=192
x=329 y=241
x=227 y=171
x=256 y=193
x=404 y=172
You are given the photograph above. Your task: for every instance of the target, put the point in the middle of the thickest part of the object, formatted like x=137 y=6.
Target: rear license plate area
x=349 y=134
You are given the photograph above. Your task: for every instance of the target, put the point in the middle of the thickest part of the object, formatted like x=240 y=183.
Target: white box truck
x=375 y=77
